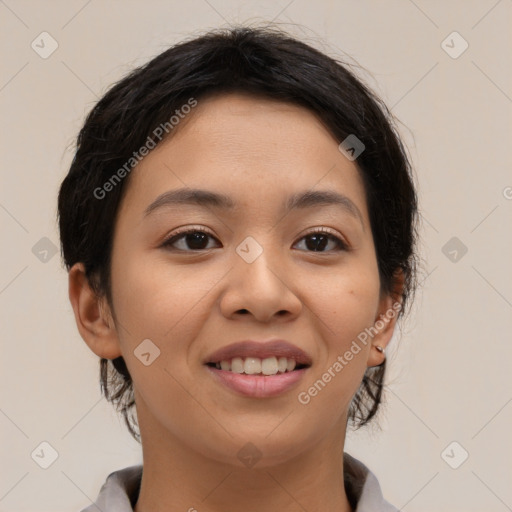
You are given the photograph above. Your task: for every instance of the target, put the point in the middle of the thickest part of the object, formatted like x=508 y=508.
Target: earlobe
x=384 y=329
x=385 y=323
x=92 y=315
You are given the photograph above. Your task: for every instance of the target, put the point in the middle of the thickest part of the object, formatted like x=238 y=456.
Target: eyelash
x=174 y=237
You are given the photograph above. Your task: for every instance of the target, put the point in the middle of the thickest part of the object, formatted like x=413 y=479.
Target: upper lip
x=260 y=349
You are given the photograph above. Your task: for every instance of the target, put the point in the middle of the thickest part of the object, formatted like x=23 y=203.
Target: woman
x=239 y=224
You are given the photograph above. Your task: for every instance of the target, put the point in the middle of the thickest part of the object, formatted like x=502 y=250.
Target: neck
x=176 y=477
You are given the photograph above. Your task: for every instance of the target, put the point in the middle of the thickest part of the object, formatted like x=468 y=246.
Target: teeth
x=255 y=365
x=252 y=365
x=237 y=365
x=269 y=366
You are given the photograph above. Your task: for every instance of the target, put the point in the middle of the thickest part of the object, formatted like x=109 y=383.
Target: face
x=252 y=271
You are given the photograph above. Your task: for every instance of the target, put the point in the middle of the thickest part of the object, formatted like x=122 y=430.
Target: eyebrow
x=300 y=200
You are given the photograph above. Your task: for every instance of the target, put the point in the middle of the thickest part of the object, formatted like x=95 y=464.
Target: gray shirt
x=120 y=491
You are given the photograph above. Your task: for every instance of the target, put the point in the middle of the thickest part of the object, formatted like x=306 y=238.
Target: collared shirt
x=120 y=491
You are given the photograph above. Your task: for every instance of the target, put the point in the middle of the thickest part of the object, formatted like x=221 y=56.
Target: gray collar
x=120 y=491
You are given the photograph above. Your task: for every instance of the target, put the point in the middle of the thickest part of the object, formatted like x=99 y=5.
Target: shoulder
x=119 y=492
x=363 y=488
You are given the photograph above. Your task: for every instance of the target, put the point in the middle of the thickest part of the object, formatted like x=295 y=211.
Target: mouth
x=259 y=369
x=258 y=366
x=259 y=358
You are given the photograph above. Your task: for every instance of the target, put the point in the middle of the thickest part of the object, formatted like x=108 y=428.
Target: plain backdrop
x=449 y=392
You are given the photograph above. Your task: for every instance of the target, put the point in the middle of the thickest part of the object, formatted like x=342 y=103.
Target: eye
x=195 y=239
x=317 y=240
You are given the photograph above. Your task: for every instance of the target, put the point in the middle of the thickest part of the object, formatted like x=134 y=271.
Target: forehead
x=252 y=149
x=243 y=124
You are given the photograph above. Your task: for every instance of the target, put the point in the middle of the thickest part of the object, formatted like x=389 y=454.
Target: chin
x=259 y=449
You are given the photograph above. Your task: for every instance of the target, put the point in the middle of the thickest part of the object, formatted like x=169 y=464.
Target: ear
x=390 y=304
x=92 y=315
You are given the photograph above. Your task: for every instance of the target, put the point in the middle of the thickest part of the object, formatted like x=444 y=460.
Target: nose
x=262 y=289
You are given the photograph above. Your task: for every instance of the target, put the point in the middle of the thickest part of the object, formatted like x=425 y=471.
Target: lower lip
x=258 y=386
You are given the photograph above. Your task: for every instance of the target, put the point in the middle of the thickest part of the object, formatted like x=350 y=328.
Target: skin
x=189 y=304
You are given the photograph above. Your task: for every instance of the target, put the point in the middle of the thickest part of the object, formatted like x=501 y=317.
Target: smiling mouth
x=256 y=366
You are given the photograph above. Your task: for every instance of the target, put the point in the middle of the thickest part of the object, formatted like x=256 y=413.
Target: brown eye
x=198 y=239
x=190 y=240
x=317 y=241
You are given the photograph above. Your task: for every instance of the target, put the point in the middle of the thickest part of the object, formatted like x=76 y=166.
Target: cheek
x=354 y=310
x=151 y=304
x=350 y=307
x=166 y=305
x=347 y=302
x=152 y=296
x=347 y=306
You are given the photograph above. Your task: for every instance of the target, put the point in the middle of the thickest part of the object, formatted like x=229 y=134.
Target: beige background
x=450 y=371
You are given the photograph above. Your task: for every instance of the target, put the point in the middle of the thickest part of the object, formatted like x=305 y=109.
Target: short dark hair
x=268 y=63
